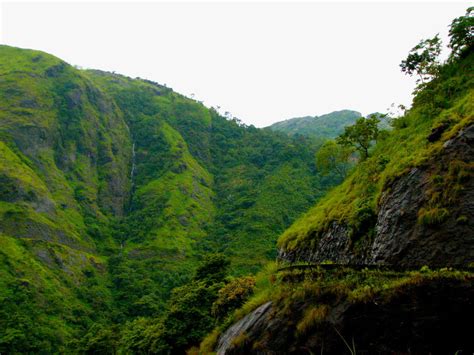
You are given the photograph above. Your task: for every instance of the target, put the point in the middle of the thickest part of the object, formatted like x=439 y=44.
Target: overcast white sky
x=263 y=62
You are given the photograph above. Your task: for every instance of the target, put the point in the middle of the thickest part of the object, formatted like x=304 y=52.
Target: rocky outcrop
x=420 y=319
x=335 y=245
x=251 y=321
x=399 y=238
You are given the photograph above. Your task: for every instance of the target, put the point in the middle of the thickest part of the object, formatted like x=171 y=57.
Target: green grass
x=53 y=282
x=40 y=301
x=312 y=317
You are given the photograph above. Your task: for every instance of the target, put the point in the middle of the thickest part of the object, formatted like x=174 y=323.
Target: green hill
x=112 y=191
x=327 y=126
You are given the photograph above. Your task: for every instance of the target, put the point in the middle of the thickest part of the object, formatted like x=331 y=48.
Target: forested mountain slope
x=327 y=126
x=64 y=168
x=235 y=173
x=112 y=190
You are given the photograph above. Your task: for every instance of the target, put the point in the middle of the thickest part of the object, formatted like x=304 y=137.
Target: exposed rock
x=397 y=217
x=99 y=266
x=253 y=320
x=400 y=239
x=14 y=190
x=19 y=225
x=436 y=132
x=419 y=319
x=183 y=220
x=44 y=255
x=73 y=98
x=335 y=245
x=30 y=139
x=29 y=103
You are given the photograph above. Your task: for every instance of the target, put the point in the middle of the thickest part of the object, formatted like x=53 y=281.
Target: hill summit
x=327 y=126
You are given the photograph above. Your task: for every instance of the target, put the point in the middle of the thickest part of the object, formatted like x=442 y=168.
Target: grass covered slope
x=446 y=102
x=68 y=133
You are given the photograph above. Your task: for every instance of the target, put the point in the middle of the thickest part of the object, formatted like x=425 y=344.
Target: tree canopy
x=422 y=59
x=333 y=157
x=461 y=33
x=361 y=135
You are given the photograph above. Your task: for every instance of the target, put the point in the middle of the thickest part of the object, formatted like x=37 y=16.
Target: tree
x=214 y=268
x=100 y=339
x=333 y=157
x=461 y=34
x=361 y=135
x=188 y=317
x=422 y=60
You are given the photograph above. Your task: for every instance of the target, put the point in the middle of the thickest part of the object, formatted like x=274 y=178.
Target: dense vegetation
x=63 y=165
x=112 y=192
x=132 y=218
x=327 y=126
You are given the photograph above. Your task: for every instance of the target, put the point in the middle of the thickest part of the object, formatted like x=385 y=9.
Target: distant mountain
x=326 y=126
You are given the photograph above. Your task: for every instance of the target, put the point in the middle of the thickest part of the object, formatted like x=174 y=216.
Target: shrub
x=232 y=296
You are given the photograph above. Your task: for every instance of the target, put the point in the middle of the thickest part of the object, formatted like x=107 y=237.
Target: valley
x=134 y=219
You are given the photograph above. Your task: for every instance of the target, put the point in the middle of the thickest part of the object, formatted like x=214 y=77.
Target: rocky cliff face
x=252 y=321
x=64 y=177
x=404 y=238
x=400 y=236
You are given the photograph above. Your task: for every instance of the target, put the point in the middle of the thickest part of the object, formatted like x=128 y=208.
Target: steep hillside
x=418 y=178
x=113 y=189
x=343 y=281
x=233 y=174
x=64 y=167
x=327 y=126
